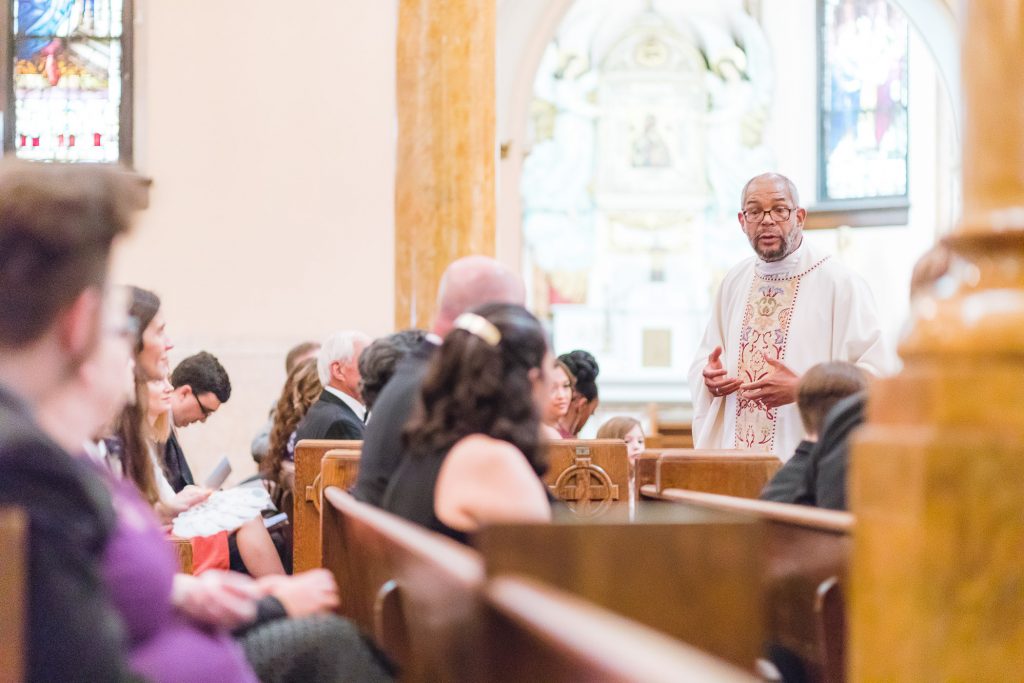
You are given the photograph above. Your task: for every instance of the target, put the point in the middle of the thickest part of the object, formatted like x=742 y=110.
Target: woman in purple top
x=177 y=627
x=164 y=639
x=139 y=568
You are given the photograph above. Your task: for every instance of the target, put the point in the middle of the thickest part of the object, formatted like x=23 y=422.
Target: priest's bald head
x=472 y=281
x=771 y=217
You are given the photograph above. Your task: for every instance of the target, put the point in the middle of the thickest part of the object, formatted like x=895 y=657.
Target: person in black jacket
x=467 y=283
x=201 y=386
x=57 y=225
x=820 y=389
x=339 y=413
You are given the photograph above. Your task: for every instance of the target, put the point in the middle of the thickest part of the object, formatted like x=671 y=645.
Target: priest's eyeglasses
x=779 y=213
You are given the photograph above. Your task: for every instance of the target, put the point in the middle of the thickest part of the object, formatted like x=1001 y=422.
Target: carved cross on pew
x=583 y=483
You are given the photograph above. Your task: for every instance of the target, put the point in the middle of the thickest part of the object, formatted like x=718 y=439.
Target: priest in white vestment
x=776 y=314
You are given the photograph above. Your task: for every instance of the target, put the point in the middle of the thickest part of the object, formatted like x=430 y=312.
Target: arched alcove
x=525 y=31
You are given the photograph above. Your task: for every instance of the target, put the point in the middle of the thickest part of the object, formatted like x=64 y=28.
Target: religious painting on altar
x=648 y=117
x=66 y=78
x=863 y=105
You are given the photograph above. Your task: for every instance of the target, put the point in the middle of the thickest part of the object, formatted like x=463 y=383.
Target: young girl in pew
x=475 y=454
x=629 y=430
x=177 y=627
x=626 y=428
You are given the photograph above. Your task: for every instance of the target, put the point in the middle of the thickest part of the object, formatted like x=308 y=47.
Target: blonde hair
x=618 y=427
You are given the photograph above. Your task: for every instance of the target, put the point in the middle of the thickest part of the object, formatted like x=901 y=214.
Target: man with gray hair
x=469 y=282
x=776 y=314
x=339 y=413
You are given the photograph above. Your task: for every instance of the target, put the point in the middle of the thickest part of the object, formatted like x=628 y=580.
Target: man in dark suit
x=201 y=386
x=339 y=413
x=57 y=224
x=467 y=283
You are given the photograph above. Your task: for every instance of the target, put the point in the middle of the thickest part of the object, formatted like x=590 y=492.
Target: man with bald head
x=776 y=314
x=467 y=283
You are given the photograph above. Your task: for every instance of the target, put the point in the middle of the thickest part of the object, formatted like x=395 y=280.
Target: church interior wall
x=269 y=136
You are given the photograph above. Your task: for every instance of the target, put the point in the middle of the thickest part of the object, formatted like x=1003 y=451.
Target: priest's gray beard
x=787 y=245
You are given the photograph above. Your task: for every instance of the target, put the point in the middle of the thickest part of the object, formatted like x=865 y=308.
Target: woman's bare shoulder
x=483 y=448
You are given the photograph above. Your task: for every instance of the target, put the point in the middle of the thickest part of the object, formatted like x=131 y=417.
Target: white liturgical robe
x=803 y=310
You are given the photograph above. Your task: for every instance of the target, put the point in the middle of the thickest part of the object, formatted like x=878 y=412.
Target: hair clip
x=480 y=327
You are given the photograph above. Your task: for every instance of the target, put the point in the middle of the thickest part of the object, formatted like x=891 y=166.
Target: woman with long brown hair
x=141 y=433
x=301 y=390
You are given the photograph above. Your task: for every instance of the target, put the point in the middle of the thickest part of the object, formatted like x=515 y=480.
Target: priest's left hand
x=777 y=389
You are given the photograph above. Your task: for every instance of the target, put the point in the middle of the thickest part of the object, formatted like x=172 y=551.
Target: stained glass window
x=66 y=84
x=863 y=107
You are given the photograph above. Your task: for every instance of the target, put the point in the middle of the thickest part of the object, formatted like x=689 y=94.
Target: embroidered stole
x=763 y=334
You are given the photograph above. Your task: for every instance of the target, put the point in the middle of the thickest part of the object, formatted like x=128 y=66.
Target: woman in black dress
x=475 y=448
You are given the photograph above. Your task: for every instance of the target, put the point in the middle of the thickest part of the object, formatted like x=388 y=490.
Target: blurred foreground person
x=57 y=225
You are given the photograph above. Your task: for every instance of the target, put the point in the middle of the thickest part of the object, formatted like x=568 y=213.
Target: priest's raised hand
x=716 y=378
x=776 y=389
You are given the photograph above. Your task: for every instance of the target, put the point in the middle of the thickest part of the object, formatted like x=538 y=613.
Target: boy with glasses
x=201 y=386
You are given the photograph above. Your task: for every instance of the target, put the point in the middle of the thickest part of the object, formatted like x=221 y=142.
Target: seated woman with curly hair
x=475 y=448
x=301 y=390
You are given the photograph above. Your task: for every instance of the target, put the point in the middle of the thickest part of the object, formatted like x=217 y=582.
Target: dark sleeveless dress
x=410 y=494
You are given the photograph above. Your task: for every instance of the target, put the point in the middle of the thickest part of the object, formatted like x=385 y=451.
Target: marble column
x=445 y=191
x=937 y=474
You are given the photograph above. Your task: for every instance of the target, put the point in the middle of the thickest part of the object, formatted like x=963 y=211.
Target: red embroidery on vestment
x=763 y=334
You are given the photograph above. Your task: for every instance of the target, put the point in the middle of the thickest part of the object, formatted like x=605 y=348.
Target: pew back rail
x=538 y=633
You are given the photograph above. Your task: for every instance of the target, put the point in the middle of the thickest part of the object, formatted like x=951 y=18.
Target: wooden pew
x=647 y=468
x=306 y=498
x=807 y=558
x=13 y=592
x=183 y=549
x=339 y=467
x=693 y=575
x=414 y=592
x=588 y=474
x=537 y=633
x=418 y=596
x=664 y=434
x=726 y=472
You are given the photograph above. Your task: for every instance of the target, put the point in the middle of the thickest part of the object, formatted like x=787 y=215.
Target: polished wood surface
x=538 y=633
x=339 y=467
x=727 y=472
x=444 y=182
x=588 y=474
x=183 y=550
x=309 y=454
x=13 y=594
x=797 y=515
x=807 y=555
x=936 y=476
x=415 y=592
x=694 y=575
x=646 y=470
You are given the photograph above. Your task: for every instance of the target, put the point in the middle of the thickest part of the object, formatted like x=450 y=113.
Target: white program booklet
x=223 y=511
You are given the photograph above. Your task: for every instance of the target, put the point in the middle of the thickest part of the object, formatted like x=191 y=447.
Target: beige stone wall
x=269 y=134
